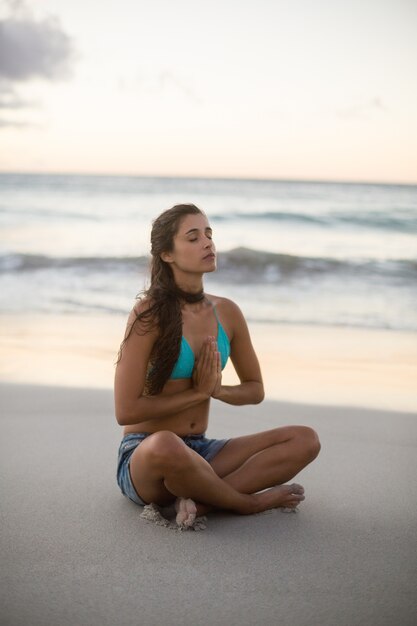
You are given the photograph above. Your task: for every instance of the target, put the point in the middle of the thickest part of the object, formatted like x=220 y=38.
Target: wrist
x=217 y=393
x=201 y=395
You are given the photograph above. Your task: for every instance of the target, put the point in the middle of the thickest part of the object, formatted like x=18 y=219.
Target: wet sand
x=75 y=551
x=314 y=365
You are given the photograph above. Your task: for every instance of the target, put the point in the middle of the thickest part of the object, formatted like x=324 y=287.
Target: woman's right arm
x=131 y=406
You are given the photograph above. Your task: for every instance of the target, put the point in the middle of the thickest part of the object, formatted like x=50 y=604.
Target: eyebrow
x=195 y=230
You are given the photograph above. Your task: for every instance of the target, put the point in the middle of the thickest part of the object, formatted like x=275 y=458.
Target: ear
x=166 y=257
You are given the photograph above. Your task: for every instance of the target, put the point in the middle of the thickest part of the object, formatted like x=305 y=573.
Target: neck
x=189 y=288
x=190 y=297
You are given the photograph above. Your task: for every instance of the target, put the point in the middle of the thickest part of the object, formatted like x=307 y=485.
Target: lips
x=209 y=256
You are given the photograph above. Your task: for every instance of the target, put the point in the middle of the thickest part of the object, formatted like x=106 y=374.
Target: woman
x=177 y=342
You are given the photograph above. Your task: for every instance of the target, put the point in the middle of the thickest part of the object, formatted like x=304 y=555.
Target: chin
x=211 y=268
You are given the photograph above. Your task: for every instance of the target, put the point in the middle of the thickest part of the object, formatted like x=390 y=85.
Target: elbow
x=121 y=418
x=259 y=394
x=125 y=416
x=260 y=397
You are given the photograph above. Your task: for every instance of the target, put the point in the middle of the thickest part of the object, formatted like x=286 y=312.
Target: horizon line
x=208 y=177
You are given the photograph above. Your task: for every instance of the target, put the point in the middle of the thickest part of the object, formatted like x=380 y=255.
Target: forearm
x=250 y=392
x=147 y=408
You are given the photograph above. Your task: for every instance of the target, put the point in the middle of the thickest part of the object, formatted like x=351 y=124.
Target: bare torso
x=192 y=421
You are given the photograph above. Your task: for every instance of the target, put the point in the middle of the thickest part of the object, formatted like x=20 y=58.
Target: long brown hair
x=164 y=299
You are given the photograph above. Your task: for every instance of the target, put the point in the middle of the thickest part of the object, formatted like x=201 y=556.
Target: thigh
x=147 y=481
x=239 y=449
x=152 y=461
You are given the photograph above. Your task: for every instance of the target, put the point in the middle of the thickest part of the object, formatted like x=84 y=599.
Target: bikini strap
x=215 y=312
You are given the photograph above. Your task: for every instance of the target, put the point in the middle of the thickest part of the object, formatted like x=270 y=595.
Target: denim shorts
x=207 y=448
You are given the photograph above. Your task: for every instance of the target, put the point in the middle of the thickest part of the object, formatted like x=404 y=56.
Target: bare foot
x=286 y=496
x=186 y=511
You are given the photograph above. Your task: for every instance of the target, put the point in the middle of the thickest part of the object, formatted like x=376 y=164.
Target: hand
x=205 y=373
x=216 y=390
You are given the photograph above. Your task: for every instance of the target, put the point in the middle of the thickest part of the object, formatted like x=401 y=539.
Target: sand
x=153 y=514
x=315 y=365
x=75 y=551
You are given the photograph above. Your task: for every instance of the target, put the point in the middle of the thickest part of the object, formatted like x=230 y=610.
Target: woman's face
x=193 y=249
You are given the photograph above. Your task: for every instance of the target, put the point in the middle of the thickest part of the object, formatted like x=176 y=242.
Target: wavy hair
x=164 y=298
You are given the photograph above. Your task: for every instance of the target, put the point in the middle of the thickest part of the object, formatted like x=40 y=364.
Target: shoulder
x=141 y=306
x=229 y=314
x=141 y=318
x=225 y=306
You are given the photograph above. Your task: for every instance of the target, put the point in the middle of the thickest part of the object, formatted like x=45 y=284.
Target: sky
x=282 y=89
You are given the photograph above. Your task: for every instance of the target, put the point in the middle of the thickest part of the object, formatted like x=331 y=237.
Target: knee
x=165 y=449
x=309 y=442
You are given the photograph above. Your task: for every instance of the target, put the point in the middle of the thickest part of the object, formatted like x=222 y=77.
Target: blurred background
x=292 y=124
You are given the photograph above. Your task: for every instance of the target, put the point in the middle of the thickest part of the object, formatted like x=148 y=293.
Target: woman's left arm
x=244 y=359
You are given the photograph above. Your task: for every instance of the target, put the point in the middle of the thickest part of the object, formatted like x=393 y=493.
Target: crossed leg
x=163 y=468
x=255 y=462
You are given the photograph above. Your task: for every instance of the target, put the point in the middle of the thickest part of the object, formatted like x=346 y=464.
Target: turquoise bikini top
x=184 y=366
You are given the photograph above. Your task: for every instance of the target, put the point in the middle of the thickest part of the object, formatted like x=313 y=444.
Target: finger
x=216 y=361
x=206 y=347
x=204 y=350
x=214 y=357
x=213 y=347
x=206 y=355
x=206 y=365
x=203 y=360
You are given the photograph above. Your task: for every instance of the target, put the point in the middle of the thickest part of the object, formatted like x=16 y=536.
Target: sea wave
x=249 y=263
x=237 y=264
x=406 y=223
x=16 y=262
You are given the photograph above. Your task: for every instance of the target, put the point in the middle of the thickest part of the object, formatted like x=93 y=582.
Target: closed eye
x=208 y=233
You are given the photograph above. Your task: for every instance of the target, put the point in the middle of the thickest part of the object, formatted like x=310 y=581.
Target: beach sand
x=75 y=551
x=309 y=364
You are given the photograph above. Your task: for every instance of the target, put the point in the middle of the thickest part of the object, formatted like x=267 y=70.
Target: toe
x=297 y=489
x=189 y=521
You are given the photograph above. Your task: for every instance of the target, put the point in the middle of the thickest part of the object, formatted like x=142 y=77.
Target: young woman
x=177 y=342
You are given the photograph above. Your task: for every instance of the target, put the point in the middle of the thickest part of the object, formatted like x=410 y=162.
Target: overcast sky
x=293 y=89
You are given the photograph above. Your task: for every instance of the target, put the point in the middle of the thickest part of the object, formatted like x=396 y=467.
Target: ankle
x=250 y=505
x=203 y=509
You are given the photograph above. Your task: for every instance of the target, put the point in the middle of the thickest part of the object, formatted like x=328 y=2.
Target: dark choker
x=191 y=298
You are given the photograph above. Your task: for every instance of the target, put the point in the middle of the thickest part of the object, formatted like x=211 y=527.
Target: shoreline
x=330 y=366
x=17 y=391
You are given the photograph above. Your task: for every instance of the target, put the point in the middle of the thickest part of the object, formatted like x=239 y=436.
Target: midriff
x=191 y=421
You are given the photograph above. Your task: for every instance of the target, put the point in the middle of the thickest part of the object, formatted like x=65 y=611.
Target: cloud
x=362 y=111
x=30 y=49
x=14 y=124
x=164 y=81
x=10 y=99
x=167 y=78
x=34 y=49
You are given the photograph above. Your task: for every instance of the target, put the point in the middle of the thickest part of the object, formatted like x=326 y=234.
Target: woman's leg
x=255 y=462
x=163 y=468
x=272 y=457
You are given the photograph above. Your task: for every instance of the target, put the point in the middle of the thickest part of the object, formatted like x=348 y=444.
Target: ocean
x=289 y=252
